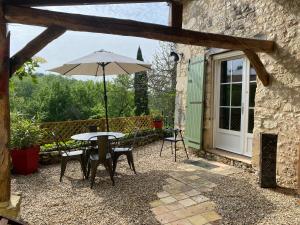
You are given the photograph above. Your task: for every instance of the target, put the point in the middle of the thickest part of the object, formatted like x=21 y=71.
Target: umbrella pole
x=105 y=97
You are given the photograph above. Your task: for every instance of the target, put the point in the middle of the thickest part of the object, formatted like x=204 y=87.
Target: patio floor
x=163 y=192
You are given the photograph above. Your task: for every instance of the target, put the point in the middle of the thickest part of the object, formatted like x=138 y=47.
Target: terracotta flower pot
x=158 y=124
x=25 y=161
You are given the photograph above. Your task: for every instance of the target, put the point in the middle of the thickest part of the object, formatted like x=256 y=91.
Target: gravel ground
x=240 y=201
x=47 y=201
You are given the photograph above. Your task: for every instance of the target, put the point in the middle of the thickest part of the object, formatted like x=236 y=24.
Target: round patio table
x=91 y=136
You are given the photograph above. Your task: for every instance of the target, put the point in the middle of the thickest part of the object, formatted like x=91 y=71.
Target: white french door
x=235 y=89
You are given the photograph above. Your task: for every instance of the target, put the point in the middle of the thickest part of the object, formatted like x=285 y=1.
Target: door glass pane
x=225 y=95
x=252 y=91
x=224 y=118
x=225 y=72
x=251 y=121
x=252 y=74
x=237 y=70
x=235 y=119
x=236 y=98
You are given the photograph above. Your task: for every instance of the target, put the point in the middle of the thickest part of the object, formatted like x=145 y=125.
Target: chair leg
x=63 y=167
x=130 y=158
x=175 y=150
x=82 y=164
x=185 y=149
x=171 y=147
x=110 y=170
x=88 y=169
x=162 y=148
x=115 y=162
x=94 y=170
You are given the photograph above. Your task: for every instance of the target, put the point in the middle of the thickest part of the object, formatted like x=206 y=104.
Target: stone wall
x=278 y=105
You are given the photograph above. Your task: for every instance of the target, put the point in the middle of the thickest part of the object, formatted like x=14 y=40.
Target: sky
x=72 y=45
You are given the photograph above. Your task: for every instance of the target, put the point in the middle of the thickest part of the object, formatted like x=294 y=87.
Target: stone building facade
x=277 y=106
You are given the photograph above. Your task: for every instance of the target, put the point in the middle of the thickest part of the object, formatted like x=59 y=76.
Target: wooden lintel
x=75 y=2
x=261 y=71
x=34 y=47
x=176 y=14
x=106 y=25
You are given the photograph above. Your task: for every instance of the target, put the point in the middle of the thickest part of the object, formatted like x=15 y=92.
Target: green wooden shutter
x=195 y=105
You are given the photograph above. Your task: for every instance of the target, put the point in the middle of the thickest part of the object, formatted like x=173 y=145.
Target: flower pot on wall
x=25 y=161
x=158 y=124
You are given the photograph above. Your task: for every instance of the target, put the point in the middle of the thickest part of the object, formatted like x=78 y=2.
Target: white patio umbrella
x=102 y=63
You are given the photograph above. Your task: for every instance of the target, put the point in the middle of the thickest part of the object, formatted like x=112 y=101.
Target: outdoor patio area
x=162 y=192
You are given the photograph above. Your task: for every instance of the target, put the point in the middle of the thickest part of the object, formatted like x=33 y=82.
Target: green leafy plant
x=157 y=117
x=24 y=132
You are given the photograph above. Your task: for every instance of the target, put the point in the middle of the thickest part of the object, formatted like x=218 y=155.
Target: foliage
x=24 y=132
x=29 y=68
x=141 y=89
x=162 y=82
x=157 y=117
x=55 y=98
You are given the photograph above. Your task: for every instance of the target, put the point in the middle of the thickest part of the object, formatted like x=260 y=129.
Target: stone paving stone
x=174 y=206
x=211 y=216
x=193 y=177
x=187 y=202
x=217 y=222
x=168 y=200
x=204 y=189
x=163 y=194
x=201 y=208
x=174 y=191
x=192 y=192
x=160 y=210
x=200 y=198
x=182 y=213
x=180 y=196
x=180 y=222
x=197 y=220
x=166 y=218
x=156 y=203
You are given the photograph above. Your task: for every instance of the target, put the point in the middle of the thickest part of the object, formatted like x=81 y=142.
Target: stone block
x=13 y=209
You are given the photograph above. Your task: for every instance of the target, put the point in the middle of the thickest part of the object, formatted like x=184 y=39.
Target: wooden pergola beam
x=4 y=113
x=176 y=15
x=261 y=71
x=106 y=25
x=35 y=46
x=75 y=2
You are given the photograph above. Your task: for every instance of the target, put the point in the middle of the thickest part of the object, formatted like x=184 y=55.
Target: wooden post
x=4 y=113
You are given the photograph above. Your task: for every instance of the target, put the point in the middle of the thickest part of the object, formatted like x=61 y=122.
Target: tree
x=141 y=90
x=162 y=82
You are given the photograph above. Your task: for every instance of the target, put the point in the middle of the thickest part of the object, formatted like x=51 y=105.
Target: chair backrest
x=61 y=145
x=177 y=132
x=135 y=138
x=104 y=146
x=93 y=128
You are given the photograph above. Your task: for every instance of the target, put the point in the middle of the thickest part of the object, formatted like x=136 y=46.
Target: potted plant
x=157 y=121
x=25 y=135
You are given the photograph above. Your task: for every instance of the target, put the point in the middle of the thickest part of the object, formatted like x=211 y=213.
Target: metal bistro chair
x=67 y=154
x=175 y=139
x=103 y=156
x=119 y=150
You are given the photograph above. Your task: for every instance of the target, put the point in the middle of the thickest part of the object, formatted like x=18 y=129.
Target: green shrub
x=24 y=132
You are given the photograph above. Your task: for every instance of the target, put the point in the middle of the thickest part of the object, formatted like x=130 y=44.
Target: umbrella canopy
x=102 y=63
x=91 y=65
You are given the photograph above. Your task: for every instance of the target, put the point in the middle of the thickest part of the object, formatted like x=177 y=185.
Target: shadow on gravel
x=132 y=194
